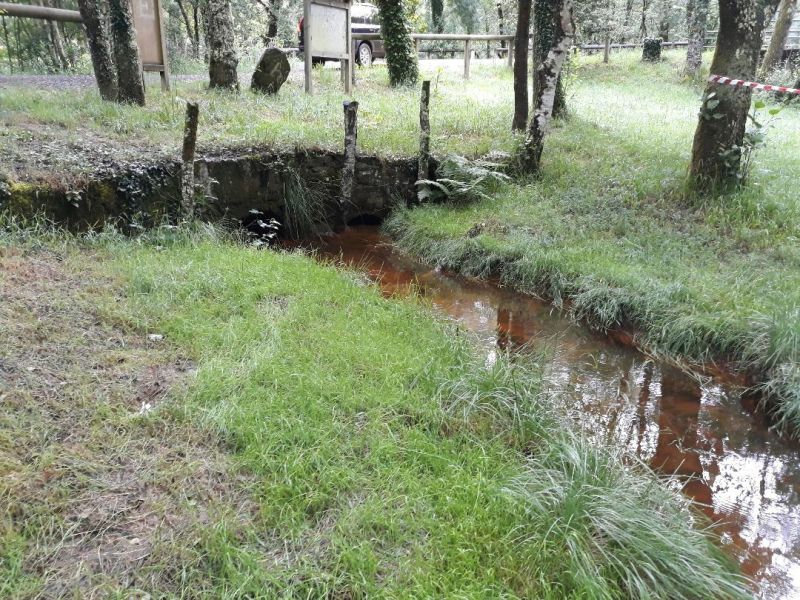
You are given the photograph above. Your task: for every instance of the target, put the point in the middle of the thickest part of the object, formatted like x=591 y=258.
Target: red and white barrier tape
x=752 y=85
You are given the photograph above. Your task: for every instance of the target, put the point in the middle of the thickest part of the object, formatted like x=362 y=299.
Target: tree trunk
x=546 y=23
x=56 y=38
x=547 y=75
x=501 y=23
x=8 y=45
x=643 y=23
x=437 y=15
x=126 y=53
x=521 y=66
x=105 y=72
x=190 y=31
x=272 y=8
x=776 y=44
x=723 y=116
x=222 y=60
x=697 y=17
x=401 y=59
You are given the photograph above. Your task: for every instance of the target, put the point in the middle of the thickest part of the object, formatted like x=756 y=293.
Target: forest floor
x=611 y=231
x=187 y=416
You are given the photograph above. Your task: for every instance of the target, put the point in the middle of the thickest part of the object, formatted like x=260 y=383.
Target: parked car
x=363 y=19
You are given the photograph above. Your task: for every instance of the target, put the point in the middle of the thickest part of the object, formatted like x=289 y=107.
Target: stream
x=746 y=478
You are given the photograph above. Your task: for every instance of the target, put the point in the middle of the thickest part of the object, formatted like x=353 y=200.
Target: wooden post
x=510 y=55
x=187 y=168
x=607 y=48
x=423 y=164
x=307 y=46
x=467 y=56
x=348 y=64
x=350 y=135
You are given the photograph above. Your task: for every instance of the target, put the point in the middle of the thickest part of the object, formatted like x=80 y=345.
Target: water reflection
x=747 y=479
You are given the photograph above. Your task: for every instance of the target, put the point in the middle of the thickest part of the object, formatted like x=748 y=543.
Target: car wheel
x=364 y=55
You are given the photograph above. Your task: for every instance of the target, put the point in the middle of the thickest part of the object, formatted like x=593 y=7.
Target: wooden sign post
x=148 y=16
x=327 y=34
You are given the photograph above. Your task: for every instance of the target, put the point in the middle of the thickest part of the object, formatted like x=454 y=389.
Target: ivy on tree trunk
x=719 y=136
x=95 y=24
x=521 y=66
x=547 y=75
x=126 y=53
x=222 y=59
x=401 y=59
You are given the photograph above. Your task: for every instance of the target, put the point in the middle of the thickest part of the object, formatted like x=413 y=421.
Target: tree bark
x=697 y=17
x=126 y=53
x=521 y=66
x=547 y=75
x=401 y=59
x=105 y=72
x=222 y=59
x=350 y=140
x=546 y=23
x=723 y=116
x=778 y=41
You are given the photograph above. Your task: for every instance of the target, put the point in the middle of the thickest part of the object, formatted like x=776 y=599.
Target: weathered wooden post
x=187 y=168
x=423 y=164
x=510 y=54
x=350 y=135
x=467 y=56
x=607 y=47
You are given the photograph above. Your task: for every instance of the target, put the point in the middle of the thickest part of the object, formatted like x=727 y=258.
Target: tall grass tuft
x=617 y=530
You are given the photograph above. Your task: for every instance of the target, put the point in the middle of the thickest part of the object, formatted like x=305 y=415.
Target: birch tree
x=547 y=76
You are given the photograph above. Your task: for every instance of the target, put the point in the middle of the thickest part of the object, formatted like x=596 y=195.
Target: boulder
x=271 y=72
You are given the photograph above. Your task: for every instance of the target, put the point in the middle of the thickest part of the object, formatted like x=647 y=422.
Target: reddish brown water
x=747 y=478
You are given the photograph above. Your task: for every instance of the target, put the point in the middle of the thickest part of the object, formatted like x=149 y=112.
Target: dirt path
x=101 y=491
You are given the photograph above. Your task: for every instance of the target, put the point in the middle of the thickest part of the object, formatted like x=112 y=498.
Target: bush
x=651 y=49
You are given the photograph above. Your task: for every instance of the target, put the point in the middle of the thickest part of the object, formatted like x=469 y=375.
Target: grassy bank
x=609 y=232
x=58 y=124
x=378 y=457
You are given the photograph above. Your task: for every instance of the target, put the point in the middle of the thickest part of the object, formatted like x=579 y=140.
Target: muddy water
x=747 y=478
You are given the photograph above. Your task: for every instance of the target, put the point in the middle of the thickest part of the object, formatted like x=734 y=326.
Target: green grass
x=609 y=231
x=386 y=459
x=465 y=117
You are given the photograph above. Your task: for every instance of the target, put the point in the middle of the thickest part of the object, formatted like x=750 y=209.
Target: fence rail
x=40 y=12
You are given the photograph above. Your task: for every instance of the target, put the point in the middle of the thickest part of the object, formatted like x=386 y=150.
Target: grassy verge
x=384 y=459
x=609 y=232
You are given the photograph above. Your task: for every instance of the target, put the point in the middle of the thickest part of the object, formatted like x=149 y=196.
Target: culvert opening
x=365 y=219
